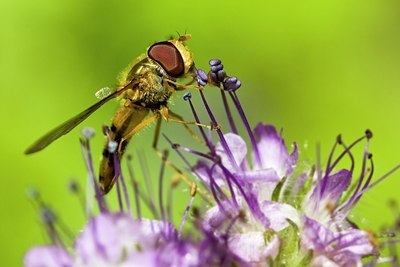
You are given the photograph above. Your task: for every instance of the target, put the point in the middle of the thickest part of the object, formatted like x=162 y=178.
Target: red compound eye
x=168 y=56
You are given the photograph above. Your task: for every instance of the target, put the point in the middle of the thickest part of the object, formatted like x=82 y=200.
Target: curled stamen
x=379 y=180
x=362 y=173
x=330 y=168
x=353 y=201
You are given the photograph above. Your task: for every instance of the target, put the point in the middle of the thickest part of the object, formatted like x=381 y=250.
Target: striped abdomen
x=124 y=121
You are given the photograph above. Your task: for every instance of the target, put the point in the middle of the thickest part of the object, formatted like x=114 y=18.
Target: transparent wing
x=71 y=123
x=104 y=92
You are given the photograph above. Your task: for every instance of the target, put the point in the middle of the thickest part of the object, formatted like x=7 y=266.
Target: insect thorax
x=151 y=91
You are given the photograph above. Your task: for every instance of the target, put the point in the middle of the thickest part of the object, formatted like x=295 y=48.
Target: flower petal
x=48 y=256
x=273 y=153
x=345 y=248
x=237 y=146
x=253 y=246
x=329 y=190
x=279 y=213
x=112 y=238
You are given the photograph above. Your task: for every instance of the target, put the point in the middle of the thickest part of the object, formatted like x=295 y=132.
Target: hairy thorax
x=150 y=91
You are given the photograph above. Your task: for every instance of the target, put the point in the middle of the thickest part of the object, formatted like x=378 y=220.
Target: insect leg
x=180 y=87
x=137 y=128
x=165 y=114
x=191 y=132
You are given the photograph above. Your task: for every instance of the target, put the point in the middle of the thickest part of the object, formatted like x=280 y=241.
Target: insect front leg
x=165 y=113
x=187 y=128
x=180 y=87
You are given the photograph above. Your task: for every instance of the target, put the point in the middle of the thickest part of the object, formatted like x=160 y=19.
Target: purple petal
x=331 y=188
x=279 y=213
x=255 y=208
x=238 y=148
x=140 y=259
x=215 y=217
x=110 y=238
x=315 y=236
x=203 y=172
x=48 y=256
x=345 y=248
x=182 y=254
x=273 y=153
x=252 y=246
x=259 y=176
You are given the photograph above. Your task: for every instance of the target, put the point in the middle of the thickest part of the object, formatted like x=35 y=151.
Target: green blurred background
x=314 y=68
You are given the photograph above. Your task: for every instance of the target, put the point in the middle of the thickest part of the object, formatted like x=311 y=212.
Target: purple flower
x=265 y=203
x=268 y=203
x=345 y=248
x=112 y=239
x=117 y=239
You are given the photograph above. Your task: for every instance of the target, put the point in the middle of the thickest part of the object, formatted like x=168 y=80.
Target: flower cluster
x=261 y=206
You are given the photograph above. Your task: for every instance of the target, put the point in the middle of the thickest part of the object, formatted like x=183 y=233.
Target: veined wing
x=72 y=123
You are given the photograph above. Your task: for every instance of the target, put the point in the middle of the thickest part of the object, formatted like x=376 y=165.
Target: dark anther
x=201 y=77
x=369 y=155
x=231 y=80
x=242 y=215
x=368 y=134
x=339 y=139
x=215 y=126
x=214 y=62
x=187 y=96
x=214 y=78
x=73 y=186
x=217 y=68
x=217 y=159
x=195 y=212
x=48 y=215
x=175 y=146
x=232 y=84
x=221 y=75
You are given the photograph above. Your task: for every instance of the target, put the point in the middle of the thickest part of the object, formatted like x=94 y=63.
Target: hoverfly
x=146 y=86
